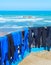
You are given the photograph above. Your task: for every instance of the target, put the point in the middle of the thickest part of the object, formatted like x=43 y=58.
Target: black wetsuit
x=44 y=37
x=30 y=40
x=37 y=33
x=48 y=41
x=11 y=47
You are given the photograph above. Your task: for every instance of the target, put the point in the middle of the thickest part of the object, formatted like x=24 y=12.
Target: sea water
x=14 y=20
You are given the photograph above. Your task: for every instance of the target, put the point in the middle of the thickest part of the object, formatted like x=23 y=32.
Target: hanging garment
x=17 y=41
x=48 y=44
x=0 y=51
x=37 y=35
x=24 y=45
x=4 y=49
x=30 y=39
x=11 y=47
x=44 y=36
x=26 y=38
x=48 y=40
x=17 y=38
x=33 y=37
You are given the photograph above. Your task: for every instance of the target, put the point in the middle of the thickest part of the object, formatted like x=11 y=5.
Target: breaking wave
x=17 y=19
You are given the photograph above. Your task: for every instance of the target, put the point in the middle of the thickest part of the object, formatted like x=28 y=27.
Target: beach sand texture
x=38 y=58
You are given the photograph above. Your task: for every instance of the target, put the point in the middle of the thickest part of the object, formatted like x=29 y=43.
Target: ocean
x=16 y=20
x=40 y=13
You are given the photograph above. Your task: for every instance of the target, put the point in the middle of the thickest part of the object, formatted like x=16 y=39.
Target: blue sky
x=25 y=4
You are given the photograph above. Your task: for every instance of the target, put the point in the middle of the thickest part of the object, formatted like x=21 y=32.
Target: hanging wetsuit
x=33 y=37
x=44 y=36
x=30 y=40
x=48 y=41
x=24 y=46
x=0 y=53
x=36 y=36
x=39 y=36
x=4 y=50
x=11 y=47
x=17 y=41
x=26 y=38
x=37 y=33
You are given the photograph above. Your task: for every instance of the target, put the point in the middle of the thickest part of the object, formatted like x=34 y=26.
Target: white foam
x=47 y=20
x=39 y=19
x=14 y=26
x=3 y=20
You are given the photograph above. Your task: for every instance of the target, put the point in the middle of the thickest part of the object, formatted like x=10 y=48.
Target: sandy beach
x=38 y=58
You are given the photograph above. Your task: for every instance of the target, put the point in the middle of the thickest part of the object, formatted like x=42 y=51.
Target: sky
x=25 y=5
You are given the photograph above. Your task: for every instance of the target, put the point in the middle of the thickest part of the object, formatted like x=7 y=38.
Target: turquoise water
x=39 y=13
x=9 y=22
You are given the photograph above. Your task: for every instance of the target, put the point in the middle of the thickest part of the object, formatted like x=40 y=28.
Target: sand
x=38 y=58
